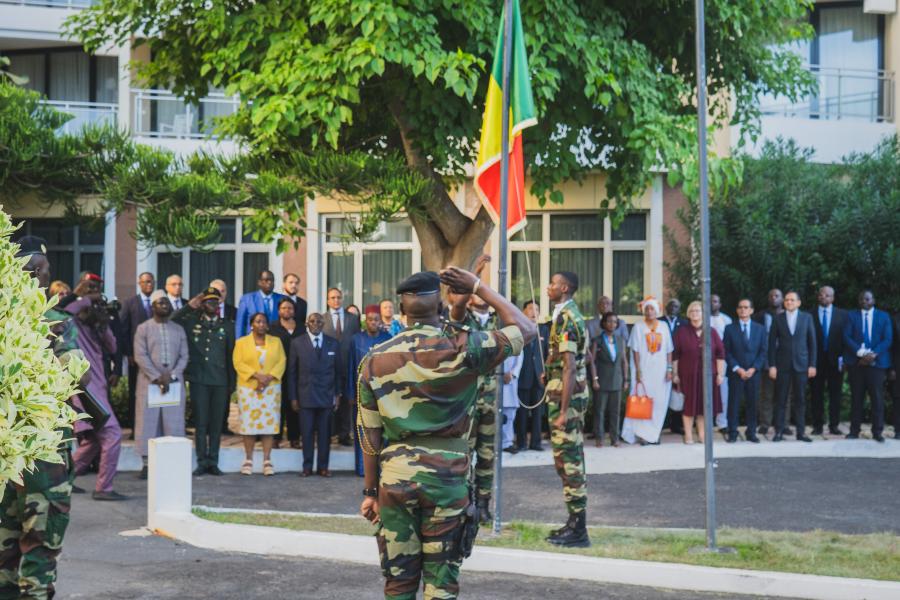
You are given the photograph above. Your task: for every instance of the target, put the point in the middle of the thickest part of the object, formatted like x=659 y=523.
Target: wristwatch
x=370 y=492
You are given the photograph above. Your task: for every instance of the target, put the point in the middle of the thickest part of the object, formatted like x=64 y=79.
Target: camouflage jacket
x=487 y=384
x=424 y=380
x=568 y=334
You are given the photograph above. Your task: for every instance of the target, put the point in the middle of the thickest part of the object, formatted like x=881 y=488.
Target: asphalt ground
x=99 y=563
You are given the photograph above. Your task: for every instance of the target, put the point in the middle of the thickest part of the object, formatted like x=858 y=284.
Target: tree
x=612 y=83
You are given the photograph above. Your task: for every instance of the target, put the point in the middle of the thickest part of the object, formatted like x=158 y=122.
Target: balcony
x=51 y=3
x=85 y=113
x=162 y=114
x=855 y=94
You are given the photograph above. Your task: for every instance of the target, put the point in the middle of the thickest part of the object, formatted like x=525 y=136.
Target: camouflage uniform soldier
x=416 y=396
x=34 y=515
x=567 y=398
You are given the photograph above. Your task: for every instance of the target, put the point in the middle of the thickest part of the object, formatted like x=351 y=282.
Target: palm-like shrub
x=34 y=385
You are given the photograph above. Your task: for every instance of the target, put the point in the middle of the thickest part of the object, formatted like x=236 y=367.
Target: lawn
x=869 y=556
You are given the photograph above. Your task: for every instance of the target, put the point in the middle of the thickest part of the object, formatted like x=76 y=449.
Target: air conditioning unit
x=880 y=7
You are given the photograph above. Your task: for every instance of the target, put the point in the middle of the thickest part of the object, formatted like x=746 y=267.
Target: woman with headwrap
x=651 y=371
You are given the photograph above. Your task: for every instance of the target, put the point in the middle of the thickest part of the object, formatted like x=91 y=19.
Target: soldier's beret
x=31 y=244
x=420 y=284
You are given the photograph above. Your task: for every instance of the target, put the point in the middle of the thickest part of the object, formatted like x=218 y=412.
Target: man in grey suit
x=792 y=360
x=342 y=326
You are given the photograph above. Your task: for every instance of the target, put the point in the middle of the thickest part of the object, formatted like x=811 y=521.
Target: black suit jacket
x=830 y=357
x=314 y=377
x=794 y=352
x=230 y=312
x=131 y=315
x=743 y=353
x=532 y=366
x=300 y=310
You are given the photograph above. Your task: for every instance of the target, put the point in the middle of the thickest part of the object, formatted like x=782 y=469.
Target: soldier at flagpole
x=416 y=394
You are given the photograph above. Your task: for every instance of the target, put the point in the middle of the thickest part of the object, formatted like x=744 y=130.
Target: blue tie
x=825 y=329
x=268 y=306
x=746 y=331
x=866 y=340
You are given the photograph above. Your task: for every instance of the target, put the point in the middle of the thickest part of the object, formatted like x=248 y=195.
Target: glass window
x=848 y=40
x=62 y=265
x=579 y=227
x=532 y=232
x=340 y=273
x=254 y=262
x=337 y=229
x=206 y=266
x=91 y=261
x=522 y=288
x=632 y=228
x=92 y=233
x=53 y=231
x=32 y=66
x=628 y=280
x=167 y=263
x=587 y=263
x=382 y=271
x=398 y=231
x=227 y=231
x=106 y=84
x=70 y=76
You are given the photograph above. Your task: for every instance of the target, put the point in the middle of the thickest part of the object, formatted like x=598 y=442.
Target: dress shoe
x=835 y=431
x=511 y=450
x=295 y=444
x=803 y=438
x=778 y=437
x=323 y=473
x=143 y=473
x=111 y=496
x=763 y=430
x=77 y=490
x=788 y=431
x=215 y=470
x=817 y=431
x=732 y=438
x=536 y=448
x=878 y=438
x=201 y=470
x=306 y=473
x=753 y=439
x=852 y=436
x=522 y=448
x=345 y=441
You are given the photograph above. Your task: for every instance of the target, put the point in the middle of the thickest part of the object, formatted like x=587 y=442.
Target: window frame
x=76 y=247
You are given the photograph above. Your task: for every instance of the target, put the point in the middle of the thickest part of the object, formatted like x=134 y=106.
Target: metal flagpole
x=504 y=242
x=705 y=278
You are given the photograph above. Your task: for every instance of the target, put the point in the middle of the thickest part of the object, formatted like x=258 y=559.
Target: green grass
x=869 y=556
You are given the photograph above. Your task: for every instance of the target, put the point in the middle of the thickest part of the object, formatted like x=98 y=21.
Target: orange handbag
x=639 y=405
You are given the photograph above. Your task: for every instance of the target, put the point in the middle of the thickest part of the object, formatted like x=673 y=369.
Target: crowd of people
x=292 y=374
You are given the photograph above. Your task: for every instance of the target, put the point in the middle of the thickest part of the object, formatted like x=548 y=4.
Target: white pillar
x=168 y=477
x=109 y=255
x=657 y=239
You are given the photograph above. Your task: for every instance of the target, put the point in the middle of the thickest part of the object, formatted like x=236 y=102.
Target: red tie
x=337 y=327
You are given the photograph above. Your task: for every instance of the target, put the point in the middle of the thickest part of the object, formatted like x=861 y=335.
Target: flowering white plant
x=34 y=385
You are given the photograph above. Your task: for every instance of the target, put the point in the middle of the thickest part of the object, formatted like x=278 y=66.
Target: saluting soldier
x=209 y=372
x=566 y=395
x=417 y=392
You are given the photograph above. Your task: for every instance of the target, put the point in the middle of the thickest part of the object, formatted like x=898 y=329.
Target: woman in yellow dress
x=260 y=362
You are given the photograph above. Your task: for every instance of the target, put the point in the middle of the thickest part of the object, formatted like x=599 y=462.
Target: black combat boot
x=576 y=536
x=558 y=532
x=484 y=510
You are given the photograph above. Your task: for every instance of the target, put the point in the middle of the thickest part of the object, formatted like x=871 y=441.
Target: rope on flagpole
x=533 y=303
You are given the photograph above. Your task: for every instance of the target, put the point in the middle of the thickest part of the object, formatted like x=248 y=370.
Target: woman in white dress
x=651 y=365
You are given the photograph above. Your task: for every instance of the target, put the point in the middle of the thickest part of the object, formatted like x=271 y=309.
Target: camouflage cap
x=420 y=284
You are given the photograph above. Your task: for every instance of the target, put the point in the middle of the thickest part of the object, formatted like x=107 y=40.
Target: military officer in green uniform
x=209 y=373
x=34 y=515
x=567 y=396
x=416 y=395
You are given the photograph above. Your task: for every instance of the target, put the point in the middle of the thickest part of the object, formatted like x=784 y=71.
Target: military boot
x=558 y=532
x=576 y=537
x=484 y=510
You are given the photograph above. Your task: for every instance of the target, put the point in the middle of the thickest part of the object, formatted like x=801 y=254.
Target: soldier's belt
x=430 y=442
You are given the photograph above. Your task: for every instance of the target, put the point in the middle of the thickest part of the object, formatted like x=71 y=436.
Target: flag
x=522 y=115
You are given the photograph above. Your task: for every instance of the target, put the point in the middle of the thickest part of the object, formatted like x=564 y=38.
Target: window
x=236 y=263
x=68 y=74
x=607 y=261
x=367 y=272
x=71 y=249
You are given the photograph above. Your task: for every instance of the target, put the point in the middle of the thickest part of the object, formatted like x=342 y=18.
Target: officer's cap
x=31 y=244
x=211 y=293
x=420 y=284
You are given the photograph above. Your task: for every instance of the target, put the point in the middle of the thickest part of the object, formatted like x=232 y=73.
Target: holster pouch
x=470 y=524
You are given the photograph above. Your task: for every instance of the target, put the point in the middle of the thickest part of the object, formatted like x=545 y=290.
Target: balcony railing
x=842 y=94
x=85 y=113
x=162 y=114
x=51 y=3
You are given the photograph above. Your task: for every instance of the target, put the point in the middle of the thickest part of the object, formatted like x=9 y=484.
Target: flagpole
x=504 y=242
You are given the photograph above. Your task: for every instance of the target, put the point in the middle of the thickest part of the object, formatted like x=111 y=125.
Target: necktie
x=866 y=338
x=825 y=329
x=318 y=348
x=147 y=307
x=268 y=305
x=746 y=331
x=337 y=325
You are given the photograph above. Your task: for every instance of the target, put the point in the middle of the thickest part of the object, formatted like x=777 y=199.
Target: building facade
x=853 y=56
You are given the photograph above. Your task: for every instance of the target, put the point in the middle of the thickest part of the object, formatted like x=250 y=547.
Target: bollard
x=168 y=477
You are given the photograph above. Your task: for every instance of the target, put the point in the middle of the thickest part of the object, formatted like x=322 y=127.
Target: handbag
x=639 y=405
x=676 y=401
x=234 y=415
x=94 y=409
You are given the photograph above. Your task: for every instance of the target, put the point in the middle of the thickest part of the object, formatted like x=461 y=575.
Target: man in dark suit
x=227 y=310
x=893 y=374
x=868 y=335
x=792 y=360
x=674 y=321
x=290 y=285
x=342 y=326
x=174 y=289
x=829 y=321
x=530 y=389
x=313 y=378
x=745 y=354
x=135 y=310
x=774 y=307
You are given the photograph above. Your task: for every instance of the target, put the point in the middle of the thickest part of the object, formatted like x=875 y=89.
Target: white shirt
x=558 y=309
x=719 y=322
x=315 y=339
x=337 y=315
x=791 y=320
x=482 y=317
x=176 y=302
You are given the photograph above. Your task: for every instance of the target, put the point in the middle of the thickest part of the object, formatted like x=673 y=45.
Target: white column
x=657 y=239
x=168 y=477
x=109 y=255
x=315 y=259
x=124 y=120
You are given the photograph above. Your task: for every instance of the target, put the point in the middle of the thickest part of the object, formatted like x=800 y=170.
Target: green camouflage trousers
x=568 y=450
x=422 y=498
x=481 y=441
x=33 y=520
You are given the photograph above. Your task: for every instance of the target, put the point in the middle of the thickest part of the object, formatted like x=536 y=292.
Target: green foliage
x=612 y=82
x=34 y=386
x=796 y=224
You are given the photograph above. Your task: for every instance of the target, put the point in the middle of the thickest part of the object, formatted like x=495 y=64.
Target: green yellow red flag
x=522 y=115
